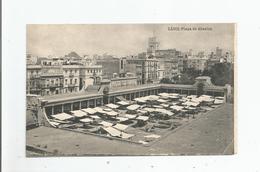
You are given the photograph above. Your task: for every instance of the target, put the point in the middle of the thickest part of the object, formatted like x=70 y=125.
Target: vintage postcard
x=130 y=89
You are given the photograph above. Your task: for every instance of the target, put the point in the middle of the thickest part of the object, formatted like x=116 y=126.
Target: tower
x=153 y=45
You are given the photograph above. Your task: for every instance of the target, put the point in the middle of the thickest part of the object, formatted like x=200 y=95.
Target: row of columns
x=96 y=102
x=129 y=96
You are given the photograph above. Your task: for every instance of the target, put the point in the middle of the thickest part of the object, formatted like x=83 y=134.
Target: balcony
x=72 y=85
x=53 y=85
x=71 y=75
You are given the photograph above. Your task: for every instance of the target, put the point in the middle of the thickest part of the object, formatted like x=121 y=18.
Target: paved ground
x=212 y=133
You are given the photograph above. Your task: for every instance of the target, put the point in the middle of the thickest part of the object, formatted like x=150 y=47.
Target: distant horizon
x=126 y=39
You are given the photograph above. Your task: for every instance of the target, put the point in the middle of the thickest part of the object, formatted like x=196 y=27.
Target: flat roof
x=94 y=94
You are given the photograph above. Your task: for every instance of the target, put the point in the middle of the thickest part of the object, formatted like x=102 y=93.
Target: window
x=70 y=81
x=75 y=81
x=122 y=64
x=66 y=81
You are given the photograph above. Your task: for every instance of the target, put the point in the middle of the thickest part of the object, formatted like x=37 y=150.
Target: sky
x=125 y=39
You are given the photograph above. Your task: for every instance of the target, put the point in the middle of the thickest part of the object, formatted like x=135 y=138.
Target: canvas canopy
x=112 y=113
x=133 y=107
x=123 y=103
x=126 y=135
x=143 y=118
x=54 y=123
x=122 y=119
x=165 y=105
x=140 y=100
x=106 y=124
x=112 y=106
x=177 y=108
x=99 y=110
x=130 y=116
x=152 y=97
x=86 y=120
x=62 y=116
x=78 y=113
x=89 y=111
x=189 y=103
x=219 y=98
x=164 y=111
x=163 y=94
x=149 y=109
x=107 y=109
x=94 y=117
x=162 y=100
x=218 y=101
x=120 y=127
x=112 y=131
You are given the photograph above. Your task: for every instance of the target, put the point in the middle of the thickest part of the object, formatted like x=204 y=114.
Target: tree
x=165 y=81
x=222 y=74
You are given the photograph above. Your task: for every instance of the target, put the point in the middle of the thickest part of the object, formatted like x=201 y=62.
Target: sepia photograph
x=130 y=89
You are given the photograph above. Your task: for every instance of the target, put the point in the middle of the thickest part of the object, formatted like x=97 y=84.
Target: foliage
x=221 y=74
x=165 y=81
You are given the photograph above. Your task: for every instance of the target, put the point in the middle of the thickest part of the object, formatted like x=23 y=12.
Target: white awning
x=152 y=97
x=190 y=108
x=126 y=135
x=112 y=131
x=62 y=116
x=164 y=111
x=149 y=109
x=86 y=120
x=89 y=111
x=140 y=100
x=107 y=109
x=162 y=100
x=143 y=118
x=99 y=110
x=165 y=105
x=120 y=127
x=78 y=113
x=94 y=117
x=54 y=123
x=163 y=94
x=188 y=103
x=123 y=103
x=106 y=124
x=112 y=106
x=130 y=116
x=112 y=113
x=122 y=119
x=133 y=107
x=177 y=108
x=218 y=101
